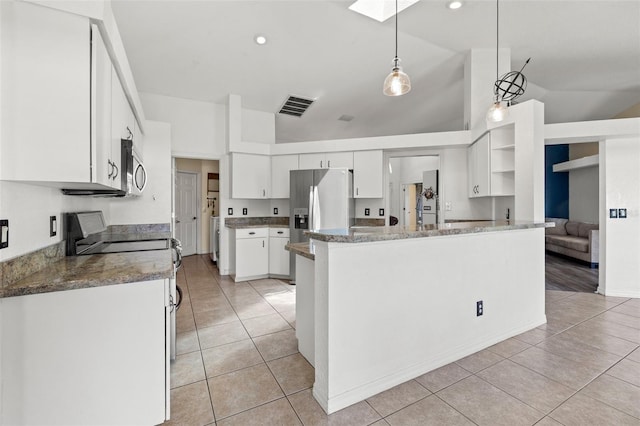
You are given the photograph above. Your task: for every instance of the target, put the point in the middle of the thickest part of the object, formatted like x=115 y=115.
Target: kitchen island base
x=389 y=311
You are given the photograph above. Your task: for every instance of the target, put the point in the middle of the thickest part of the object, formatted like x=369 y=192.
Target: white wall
x=258 y=126
x=620 y=174
x=583 y=195
x=197 y=128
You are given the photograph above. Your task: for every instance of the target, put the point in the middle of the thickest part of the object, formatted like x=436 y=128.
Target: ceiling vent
x=296 y=106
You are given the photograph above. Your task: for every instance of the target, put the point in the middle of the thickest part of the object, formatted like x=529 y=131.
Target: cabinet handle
x=252 y=233
x=264 y=192
x=320 y=163
x=280 y=232
x=357 y=191
x=111 y=170
x=328 y=163
x=130 y=136
x=115 y=174
x=262 y=243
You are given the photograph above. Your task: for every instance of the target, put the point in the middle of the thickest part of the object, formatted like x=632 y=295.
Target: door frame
x=198 y=205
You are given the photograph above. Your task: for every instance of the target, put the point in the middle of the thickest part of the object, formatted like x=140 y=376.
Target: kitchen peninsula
x=453 y=290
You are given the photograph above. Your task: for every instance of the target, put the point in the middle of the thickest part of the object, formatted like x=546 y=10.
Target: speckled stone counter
x=385 y=233
x=97 y=270
x=256 y=222
x=302 y=249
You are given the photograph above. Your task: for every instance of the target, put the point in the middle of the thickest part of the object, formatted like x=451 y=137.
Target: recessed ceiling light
x=380 y=10
x=454 y=4
x=260 y=39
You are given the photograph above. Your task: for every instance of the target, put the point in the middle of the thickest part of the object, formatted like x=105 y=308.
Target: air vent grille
x=296 y=106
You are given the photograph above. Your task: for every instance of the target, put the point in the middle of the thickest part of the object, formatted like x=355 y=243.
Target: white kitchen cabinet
x=491 y=164
x=278 y=257
x=478 y=167
x=367 y=174
x=251 y=254
x=281 y=165
x=45 y=94
x=87 y=356
x=106 y=165
x=327 y=160
x=250 y=176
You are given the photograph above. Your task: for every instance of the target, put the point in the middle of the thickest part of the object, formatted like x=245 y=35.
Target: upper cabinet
x=281 y=165
x=45 y=94
x=491 y=164
x=367 y=174
x=63 y=108
x=250 y=176
x=329 y=160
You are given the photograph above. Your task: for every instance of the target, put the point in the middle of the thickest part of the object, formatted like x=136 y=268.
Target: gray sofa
x=578 y=240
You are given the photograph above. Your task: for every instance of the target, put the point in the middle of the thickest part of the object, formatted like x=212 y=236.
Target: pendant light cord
x=396 y=58
x=497 y=43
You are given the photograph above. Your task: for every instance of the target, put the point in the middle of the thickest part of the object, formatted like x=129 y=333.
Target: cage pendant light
x=397 y=82
x=498 y=111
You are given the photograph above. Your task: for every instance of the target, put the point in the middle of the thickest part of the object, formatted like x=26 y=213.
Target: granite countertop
x=302 y=249
x=75 y=272
x=256 y=222
x=386 y=233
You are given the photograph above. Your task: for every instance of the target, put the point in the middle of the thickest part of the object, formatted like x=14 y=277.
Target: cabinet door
x=483 y=167
x=101 y=161
x=367 y=174
x=252 y=257
x=312 y=161
x=278 y=256
x=45 y=94
x=479 y=168
x=281 y=165
x=339 y=160
x=250 y=176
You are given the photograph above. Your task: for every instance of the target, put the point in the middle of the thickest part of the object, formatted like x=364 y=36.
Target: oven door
x=139 y=176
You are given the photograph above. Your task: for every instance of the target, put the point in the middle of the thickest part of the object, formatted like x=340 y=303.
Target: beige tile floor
x=238 y=364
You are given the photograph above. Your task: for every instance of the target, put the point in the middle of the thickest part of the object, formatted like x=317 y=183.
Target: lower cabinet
x=259 y=253
x=278 y=256
x=251 y=253
x=87 y=356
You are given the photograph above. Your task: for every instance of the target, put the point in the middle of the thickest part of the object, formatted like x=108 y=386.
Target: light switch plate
x=53 y=226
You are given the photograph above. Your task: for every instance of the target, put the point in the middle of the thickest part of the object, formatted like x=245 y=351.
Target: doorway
x=186 y=211
x=411 y=174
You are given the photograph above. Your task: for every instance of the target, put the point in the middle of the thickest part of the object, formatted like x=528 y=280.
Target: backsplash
x=271 y=220
x=19 y=267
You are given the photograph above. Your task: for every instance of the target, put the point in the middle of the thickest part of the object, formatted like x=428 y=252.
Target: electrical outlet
x=380 y=212
x=622 y=213
x=447 y=206
x=53 y=226
x=244 y=211
x=4 y=233
x=230 y=211
x=275 y=211
x=479 y=308
x=367 y=212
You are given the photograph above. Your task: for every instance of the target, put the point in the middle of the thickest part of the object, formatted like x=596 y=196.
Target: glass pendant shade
x=497 y=113
x=397 y=82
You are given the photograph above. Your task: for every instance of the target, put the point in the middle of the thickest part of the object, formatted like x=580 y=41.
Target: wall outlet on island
x=479 y=308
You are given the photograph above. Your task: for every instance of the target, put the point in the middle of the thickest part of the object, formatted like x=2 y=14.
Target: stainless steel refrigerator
x=319 y=200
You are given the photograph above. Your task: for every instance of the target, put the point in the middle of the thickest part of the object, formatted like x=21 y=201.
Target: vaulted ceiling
x=585 y=58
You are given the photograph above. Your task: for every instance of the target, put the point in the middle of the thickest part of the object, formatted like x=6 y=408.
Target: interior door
x=409 y=204
x=187 y=211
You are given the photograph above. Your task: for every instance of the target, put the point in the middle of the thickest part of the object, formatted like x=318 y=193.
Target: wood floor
x=565 y=274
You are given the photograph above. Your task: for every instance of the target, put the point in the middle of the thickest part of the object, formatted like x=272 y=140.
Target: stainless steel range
x=85 y=234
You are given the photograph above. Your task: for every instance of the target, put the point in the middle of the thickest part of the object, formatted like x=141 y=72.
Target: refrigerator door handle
x=310 y=224
x=317 y=219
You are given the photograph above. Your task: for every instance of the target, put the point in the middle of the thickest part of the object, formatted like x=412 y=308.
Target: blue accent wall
x=556 y=185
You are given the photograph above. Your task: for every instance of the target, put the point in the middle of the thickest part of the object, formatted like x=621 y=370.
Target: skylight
x=380 y=10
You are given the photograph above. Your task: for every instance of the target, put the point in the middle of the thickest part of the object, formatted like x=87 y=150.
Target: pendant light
x=397 y=82
x=498 y=111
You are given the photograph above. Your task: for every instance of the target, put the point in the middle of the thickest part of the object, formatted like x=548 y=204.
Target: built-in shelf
x=503 y=171
x=580 y=163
